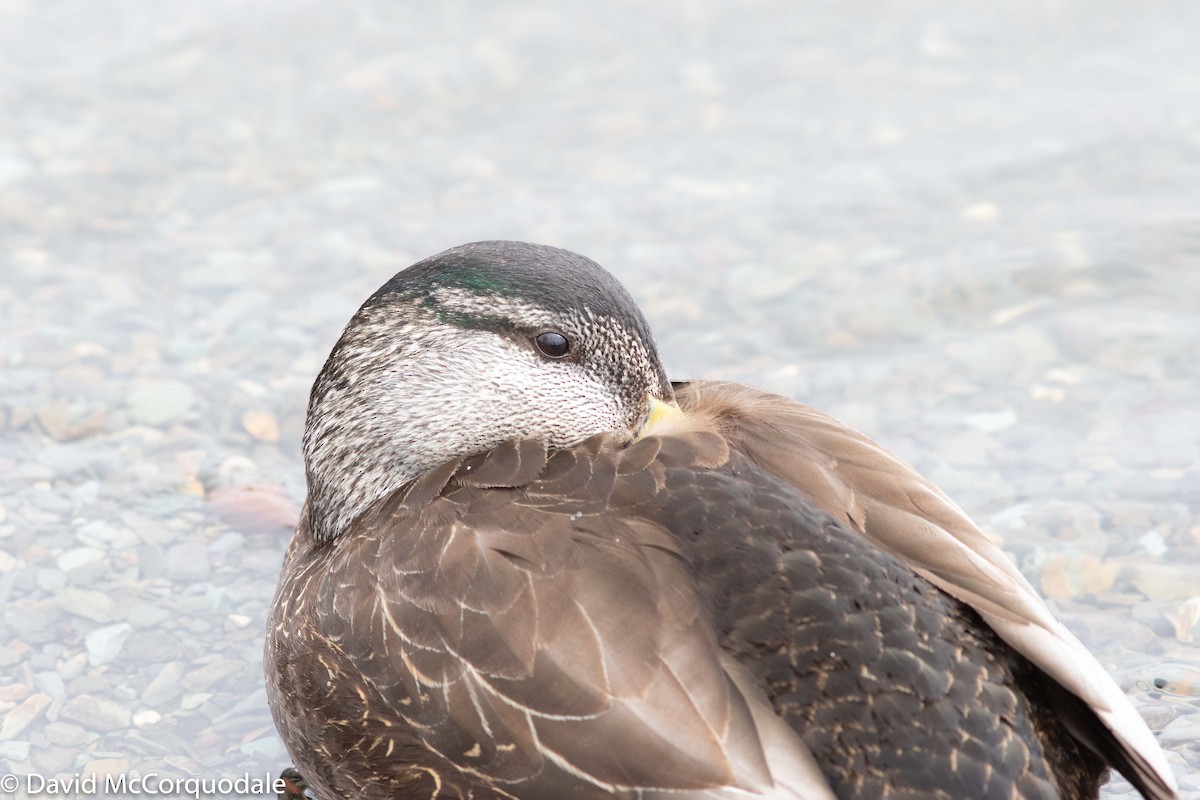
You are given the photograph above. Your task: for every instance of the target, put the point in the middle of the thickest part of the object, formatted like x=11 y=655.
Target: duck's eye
x=552 y=344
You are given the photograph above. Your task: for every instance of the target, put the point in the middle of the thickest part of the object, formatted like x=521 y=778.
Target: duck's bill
x=661 y=416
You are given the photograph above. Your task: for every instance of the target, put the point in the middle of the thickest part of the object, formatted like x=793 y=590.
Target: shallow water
x=973 y=236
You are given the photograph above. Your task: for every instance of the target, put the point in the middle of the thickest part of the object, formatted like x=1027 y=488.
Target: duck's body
x=748 y=601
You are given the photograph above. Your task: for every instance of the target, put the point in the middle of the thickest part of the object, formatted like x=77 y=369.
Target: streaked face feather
x=432 y=371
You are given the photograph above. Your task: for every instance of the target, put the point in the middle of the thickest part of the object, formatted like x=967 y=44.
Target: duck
x=532 y=566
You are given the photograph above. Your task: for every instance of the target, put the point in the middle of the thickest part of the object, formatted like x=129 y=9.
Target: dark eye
x=552 y=344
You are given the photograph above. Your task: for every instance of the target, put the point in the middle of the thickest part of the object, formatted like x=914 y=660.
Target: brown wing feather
x=876 y=494
x=531 y=641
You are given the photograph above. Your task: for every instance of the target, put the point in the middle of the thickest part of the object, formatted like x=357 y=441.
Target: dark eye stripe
x=552 y=344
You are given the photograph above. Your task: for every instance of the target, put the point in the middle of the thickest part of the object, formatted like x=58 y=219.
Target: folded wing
x=876 y=494
x=549 y=647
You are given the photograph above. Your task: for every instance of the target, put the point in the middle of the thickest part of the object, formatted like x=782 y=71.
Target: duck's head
x=474 y=346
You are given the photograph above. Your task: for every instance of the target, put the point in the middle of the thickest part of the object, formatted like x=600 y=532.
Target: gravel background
x=972 y=233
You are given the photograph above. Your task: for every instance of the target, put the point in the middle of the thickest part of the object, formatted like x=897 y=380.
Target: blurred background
x=970 y=230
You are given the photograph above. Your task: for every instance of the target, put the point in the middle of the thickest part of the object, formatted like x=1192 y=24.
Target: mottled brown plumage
x=750 y=601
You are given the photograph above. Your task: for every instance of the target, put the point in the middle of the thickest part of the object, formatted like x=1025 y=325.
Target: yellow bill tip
x=661 y=415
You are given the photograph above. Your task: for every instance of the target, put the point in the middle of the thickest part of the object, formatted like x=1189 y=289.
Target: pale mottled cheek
x=398 y=406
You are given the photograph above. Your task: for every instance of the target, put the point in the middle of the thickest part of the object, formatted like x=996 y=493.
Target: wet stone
x=206 y=676
x=53 y=759
x=152 y=645
x=151 y=561
x=78 y=558
x=227 y=542
x=146 y=717
x=188 y=561
x=144 y=615
x=51 y=683
x=104 y=644
x=192 y=701
x=104 y=534
x=51 y=580
x=87 y=603
x=14 y=751
x=160 y=402
x=65 y=734
x=88 y=683
x=96 y=713
x=34 y=621
x=106 y=766
x=1153 y=618
x=41 y=661
x=18 y=719
x=165 y=685
x=15 y=692
x=73 y=666
x=90 y=574
x=268 y=746
x=1158 y=715
x=1182 y=730
x=11 y=653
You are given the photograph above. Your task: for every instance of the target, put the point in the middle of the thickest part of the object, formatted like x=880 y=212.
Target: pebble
x=261 y=425
x=1158 y=715
x=12 y=652
x=73 y=666
x=15 y=692
x=146 y=716
x=18 y=719
x=78 y=557
x=1176 y=679
x=41 y=661
x=194 y=700
x=65 y=733
x=159 y=402
x=165 y=684
x=188 y=561
x=151 y=561
x=145 y=615
x=52 y=684
x=1184 y=730
x=206 y=676
x=102 y=533
x=255 y=507
x=1153 y=544
x=51 y=580
x=227 y=542
x=1163 y=582
x=96 y=713
x=993 y=421
x=88 y=603
x=89 y=683
x=1185 y=620
x=102 y=767
x=53 y=759
x=104 y=644
x=1151 y=615
x=268 y=746
x=1064 y=576
x=152 y=645
x=14 y=751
